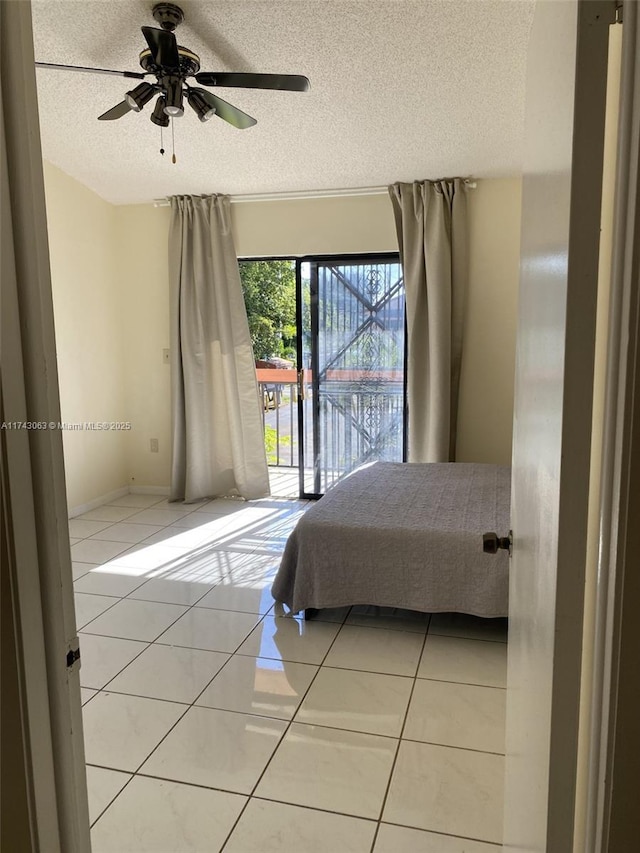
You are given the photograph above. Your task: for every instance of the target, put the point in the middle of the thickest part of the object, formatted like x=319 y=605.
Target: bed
x=404 y=535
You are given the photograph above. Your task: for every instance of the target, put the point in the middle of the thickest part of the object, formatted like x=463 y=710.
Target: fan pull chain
x=161 y=141
x=173 y=143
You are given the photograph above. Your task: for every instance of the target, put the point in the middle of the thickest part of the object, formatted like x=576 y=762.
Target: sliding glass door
x=329 y=343
x=351 y=361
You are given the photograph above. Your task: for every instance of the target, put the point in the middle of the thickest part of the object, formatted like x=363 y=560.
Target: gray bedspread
x=402 y=535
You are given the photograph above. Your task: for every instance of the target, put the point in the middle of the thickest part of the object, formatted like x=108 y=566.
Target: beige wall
x=486 y=381
x=137 y=238
x=89 y=334
x=143 y=267
x=314 y=226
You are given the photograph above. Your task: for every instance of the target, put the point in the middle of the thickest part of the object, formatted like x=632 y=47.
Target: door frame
x=36 y=570
x=613 y=819
x=624 y=597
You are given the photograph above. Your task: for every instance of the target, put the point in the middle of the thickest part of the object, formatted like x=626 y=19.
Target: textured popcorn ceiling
x=400 y=90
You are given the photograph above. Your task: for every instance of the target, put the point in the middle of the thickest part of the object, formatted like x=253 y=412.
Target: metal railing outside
x=356 y=425
x=279 y=404
x=359 y=425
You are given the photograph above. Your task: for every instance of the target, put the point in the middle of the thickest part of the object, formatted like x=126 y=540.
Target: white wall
x=89 y=334
x=137 y=261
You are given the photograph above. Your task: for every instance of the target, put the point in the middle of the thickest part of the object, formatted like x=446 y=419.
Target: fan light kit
x=172 y=65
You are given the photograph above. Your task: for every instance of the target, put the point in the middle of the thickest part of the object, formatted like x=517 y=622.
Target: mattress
x=403 y=535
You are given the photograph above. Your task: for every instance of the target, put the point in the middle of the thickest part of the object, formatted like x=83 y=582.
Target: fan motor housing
x=168 y=15
x=189 y=62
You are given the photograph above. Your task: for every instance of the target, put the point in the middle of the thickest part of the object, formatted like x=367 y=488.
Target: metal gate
x=355 y=359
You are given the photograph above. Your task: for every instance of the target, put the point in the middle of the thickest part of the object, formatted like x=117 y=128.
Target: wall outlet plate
x=153 y=444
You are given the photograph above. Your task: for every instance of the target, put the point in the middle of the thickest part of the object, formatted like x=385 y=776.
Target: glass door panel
x=353 y=353
x=306 y=406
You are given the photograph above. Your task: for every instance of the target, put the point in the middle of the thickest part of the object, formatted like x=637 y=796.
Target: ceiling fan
x=172 y=65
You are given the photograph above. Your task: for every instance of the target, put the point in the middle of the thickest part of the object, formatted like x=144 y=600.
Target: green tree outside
x=269 y=289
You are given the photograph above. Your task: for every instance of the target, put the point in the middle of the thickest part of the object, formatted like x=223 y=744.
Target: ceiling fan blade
x=135 y=74
x=163 y=47
x=118 y=111
x=227 y=112
x=288 y=82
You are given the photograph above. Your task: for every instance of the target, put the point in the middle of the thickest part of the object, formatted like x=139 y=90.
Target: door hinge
x=619 y=6
x=73 y=654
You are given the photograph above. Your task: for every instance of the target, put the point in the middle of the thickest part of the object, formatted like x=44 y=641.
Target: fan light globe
x=173 y=94
x=200 y=105
x=141 y=95
x=158 y=116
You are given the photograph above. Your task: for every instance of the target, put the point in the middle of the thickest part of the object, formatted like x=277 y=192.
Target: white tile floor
x=213 y=721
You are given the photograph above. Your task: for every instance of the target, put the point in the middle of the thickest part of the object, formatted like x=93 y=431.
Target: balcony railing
x=278 y=393
x=358 y=425
x=359 y=419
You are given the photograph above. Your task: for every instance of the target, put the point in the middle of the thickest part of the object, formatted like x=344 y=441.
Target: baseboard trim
x=150 y=490
x=94 y=504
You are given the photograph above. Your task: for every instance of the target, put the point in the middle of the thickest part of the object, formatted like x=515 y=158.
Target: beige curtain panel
x=218 y=442
x=431 y=223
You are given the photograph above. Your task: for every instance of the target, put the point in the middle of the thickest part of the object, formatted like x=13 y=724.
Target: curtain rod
x=307 y=194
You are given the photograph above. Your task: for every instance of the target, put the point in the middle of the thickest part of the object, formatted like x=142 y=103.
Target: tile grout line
x=148 y=645
x=284 y=734
x=109 y=524
x=402 y=728
x=80 y=629
x=100 y=690
x=112 y=801
x=495 y=844
x=123 y=597
x=319 y=666
x=141 y=541
x=172 y=645
x=474 y=639
x=202 y=787
x=222 y=546
x=465 y=683
x=188 y=707
x=194 y=702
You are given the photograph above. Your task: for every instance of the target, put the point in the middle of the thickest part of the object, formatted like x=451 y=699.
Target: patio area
x=284 y=482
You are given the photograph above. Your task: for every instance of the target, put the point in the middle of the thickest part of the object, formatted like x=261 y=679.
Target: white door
x=566 y=80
